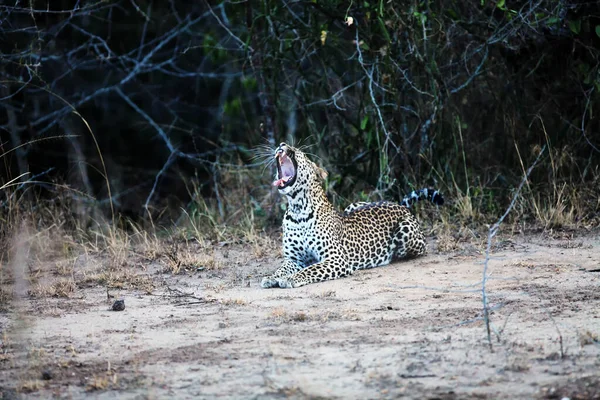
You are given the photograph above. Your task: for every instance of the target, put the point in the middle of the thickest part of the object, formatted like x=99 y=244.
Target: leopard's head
x=295 y=171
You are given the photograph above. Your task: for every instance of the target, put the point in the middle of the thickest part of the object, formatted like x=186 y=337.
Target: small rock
x=118 y=305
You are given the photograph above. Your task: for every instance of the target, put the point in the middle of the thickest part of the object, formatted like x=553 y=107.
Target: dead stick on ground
x=492 y=232
x=178 y=293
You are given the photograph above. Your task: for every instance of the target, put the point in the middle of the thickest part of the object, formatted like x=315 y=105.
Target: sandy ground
x=408 y=330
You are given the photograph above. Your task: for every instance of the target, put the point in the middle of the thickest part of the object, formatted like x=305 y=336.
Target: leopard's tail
x=430 y=194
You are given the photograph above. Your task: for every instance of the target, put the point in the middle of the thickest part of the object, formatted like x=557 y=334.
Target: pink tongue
x=280 y=182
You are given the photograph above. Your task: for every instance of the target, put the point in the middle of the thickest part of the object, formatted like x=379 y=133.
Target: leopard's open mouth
x=286 y=169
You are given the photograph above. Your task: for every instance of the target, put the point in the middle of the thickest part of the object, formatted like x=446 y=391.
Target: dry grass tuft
x=325 y=294
x=234 y=302
x=517 y=364
x=29 y=386
x=559 y=210
x=299 y=317
x=102 y=382
x=65 y=267
x=351 y=314
x=146 y=242
x=447 y=243
x=464 y=206
x=120 y=278
x=278 y=313
x=184 y=259
x=523 y=264
x=5 y=297
x=112 y=241
x=587 y=338
x=216 y=287
x=61 y=288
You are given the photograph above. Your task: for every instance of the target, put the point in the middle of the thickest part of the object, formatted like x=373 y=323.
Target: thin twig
x=492 y=232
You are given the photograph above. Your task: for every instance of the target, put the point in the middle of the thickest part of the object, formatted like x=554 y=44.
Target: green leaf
x=384 y=30
x=598 y=30
x=552 y=21
x=232 y=107
x=501 y=4
x=575 y=26
x=363 y=123
x=453 y=14
x=249 y=83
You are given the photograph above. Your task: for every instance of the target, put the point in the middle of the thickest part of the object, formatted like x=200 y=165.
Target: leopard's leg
x=330 y=268
x=408 y=240
x=288 y=268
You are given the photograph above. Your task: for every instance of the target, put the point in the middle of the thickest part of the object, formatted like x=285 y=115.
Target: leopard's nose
x=281 y=148
x=279 y=151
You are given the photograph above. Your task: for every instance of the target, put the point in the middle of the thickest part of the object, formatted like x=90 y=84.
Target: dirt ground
x=412 y=329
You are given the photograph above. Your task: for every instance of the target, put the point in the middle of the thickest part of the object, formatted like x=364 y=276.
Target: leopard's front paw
x=286 y=283
x=273 y=282
x=269 y=282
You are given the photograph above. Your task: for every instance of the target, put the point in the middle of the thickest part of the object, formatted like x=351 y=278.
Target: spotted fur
x=319 y=243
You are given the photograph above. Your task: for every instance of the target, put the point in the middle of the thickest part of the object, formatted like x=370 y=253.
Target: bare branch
x=492 y=232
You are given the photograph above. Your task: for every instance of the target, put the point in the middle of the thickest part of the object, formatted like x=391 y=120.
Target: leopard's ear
x=321 y=172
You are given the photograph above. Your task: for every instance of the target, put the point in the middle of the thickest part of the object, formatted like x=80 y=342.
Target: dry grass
x=447 y=242
x=523 y=264
x=325 y=294
x=102 y=381
x=264 y=246
x=587 y=338
x=64 y=288
x=5 y=296
x=65 y=267
x=278 y=313
x=298 y=317
x=146 y=242
x=557 y=210
x=517 y=364
x=113 y=241
x=217 y=288
x=29 y=386
x=463 y=203
x=234 y=302
x=120 y=278
x=282 y=315
x=180 y=259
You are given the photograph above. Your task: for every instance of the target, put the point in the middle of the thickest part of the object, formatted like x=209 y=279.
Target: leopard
x=320 y=243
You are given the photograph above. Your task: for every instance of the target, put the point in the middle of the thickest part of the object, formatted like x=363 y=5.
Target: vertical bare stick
x=491 y=233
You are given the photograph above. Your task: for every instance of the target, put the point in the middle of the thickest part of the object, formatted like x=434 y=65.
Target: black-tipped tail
x=430 y=194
